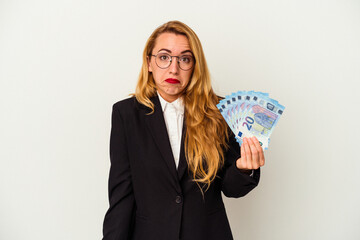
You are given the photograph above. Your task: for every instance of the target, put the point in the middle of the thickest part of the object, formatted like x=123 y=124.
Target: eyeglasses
x=163 y=60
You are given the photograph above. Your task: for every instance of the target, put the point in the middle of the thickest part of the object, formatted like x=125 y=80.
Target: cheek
x=157 y=75
x=187 y=76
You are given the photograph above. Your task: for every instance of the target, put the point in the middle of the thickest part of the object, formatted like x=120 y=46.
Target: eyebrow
x=167 y=50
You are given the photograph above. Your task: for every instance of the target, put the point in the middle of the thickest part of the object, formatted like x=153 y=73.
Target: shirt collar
x=178 y=104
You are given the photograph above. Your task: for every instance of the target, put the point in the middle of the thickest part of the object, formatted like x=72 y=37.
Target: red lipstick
x=172 y=80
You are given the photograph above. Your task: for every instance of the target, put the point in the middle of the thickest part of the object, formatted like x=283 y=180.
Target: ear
x=148 y=63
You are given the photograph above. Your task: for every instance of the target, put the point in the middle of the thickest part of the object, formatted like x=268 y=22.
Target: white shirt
x=173 y=116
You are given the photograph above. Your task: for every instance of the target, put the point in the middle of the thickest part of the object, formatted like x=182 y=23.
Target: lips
x=172 y=80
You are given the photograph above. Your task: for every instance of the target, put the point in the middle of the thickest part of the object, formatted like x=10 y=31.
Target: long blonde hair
x=206 y=130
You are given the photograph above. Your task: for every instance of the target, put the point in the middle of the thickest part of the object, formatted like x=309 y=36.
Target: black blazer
x=152 y=200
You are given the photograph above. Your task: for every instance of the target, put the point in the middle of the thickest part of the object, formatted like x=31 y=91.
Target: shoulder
x=125 y=107
x=130 y=106
x=125 y=103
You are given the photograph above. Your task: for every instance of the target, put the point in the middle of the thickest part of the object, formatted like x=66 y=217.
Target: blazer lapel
x=157 y=127
x=182 y=160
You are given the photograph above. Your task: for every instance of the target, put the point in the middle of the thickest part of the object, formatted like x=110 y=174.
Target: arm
x=119 y=217
x=237 y=182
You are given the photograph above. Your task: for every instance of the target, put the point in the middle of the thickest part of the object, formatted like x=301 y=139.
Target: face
x=172 y=81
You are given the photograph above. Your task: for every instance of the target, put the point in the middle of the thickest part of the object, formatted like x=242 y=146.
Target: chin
x=172 y=91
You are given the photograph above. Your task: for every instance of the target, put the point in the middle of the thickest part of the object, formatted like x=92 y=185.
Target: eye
x=186 y=59
x=164 y=57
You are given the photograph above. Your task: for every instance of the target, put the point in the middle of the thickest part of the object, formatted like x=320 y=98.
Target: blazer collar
x=156 y=125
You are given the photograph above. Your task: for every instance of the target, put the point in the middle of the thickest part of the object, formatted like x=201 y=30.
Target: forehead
x=175 y=43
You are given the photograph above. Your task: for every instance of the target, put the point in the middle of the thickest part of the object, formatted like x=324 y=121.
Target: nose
x=174 y=65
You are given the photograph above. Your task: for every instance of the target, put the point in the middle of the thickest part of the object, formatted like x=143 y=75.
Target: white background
x=64 y=63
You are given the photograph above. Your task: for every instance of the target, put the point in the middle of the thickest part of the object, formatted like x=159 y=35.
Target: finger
x=241 y=162
x=248 y=153
x=254 y=154
x=260 y=151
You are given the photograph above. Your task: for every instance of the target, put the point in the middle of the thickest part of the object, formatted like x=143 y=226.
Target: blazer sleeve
x=119 y=218
x=234 y=182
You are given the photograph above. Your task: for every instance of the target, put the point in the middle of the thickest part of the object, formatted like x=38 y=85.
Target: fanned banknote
x=250 y=113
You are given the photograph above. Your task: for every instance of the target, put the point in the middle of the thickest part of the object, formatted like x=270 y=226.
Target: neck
x=169 y=99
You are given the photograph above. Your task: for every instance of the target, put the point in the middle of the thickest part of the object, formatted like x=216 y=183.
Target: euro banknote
x=250 y=113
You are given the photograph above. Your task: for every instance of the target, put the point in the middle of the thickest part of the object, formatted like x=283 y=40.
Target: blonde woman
x=171 y=152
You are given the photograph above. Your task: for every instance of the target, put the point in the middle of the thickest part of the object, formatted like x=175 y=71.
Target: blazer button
x=178 y=199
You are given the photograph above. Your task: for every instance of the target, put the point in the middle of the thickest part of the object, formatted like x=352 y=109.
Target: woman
x=170 y=150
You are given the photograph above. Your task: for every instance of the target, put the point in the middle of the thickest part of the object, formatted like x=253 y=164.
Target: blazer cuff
x=246 y=172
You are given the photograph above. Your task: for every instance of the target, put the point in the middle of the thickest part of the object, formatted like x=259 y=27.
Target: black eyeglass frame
x=171 y=57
